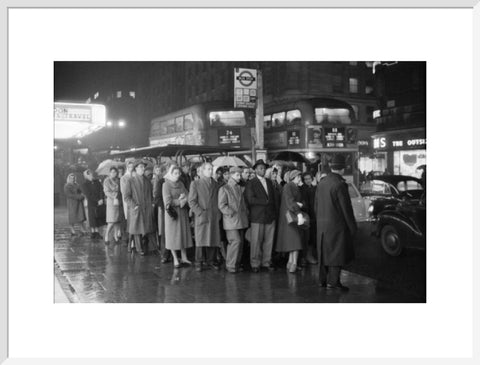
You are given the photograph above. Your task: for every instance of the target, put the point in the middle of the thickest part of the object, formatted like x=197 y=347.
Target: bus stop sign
x=245 y=88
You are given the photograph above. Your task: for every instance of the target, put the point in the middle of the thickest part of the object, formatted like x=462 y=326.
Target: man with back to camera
x=260 y=198
x=336 y=225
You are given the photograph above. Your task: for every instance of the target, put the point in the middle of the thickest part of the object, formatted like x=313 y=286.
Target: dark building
x=400 y=142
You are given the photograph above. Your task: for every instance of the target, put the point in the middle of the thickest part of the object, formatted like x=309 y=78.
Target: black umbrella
x=290 y=156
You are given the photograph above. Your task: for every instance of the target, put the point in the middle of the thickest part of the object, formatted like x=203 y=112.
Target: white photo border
x=5 y=201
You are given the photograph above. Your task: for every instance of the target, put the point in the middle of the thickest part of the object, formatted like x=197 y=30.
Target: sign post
x=248 y=94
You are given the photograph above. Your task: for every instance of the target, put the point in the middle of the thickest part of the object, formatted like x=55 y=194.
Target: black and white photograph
x=240 y=181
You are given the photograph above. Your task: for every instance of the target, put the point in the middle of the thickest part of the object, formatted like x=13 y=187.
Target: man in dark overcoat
x=261 y=200
x=203 y=200
x=139 y=197
x=336 y=226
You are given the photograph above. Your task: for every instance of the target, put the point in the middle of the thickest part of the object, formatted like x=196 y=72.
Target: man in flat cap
x=336 y=226
x=235 y=217
x=139 y=198
x=260 y=197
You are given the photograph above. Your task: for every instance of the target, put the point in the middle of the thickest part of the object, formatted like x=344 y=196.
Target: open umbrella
x=228 y=161
x=105 y=166
x=290 y=156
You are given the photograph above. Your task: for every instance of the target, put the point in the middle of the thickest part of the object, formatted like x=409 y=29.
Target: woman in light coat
x=177 y=229
x=76 y=211
x=115 y=217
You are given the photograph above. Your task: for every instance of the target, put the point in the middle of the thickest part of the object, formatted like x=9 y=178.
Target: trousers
x=327 y=274
x=234 y=248
x=261 y=244
x=205 y=254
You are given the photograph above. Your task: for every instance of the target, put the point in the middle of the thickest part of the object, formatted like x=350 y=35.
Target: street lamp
x=109 y=123
x=121 y=123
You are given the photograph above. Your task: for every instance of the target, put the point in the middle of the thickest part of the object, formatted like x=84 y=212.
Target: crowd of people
x=239 y=218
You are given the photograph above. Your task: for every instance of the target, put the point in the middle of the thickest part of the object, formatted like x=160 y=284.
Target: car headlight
x=370 y=210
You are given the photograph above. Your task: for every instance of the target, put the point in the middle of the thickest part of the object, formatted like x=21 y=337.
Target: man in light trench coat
x=235 y=217
x=203 y=200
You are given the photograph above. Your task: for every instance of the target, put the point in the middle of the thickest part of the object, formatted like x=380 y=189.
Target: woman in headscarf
x=289 y=238
x=177 y=225
x=76 y=211
x=114 y=216
x=93 y=191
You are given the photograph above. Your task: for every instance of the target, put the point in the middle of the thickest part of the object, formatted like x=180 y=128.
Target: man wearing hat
x=231 y=203
x=260 y=197
x=139 y=198
x=336 y=226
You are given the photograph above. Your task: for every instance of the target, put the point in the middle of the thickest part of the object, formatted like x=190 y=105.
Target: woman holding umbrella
x=114 y=216
x=289 y=238
x=76 y=212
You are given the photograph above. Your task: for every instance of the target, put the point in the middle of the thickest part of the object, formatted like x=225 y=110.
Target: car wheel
x=391 y=241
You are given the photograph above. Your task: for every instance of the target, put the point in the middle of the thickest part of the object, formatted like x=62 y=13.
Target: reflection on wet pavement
x=109 y=274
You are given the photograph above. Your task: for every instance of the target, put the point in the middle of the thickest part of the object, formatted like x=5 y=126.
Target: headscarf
x=293 y=174
x=168 y=176
x=68 y=177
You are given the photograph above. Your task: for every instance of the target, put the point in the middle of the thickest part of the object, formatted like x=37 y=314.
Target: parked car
x=402 y=226
x=385 y=192
x=360 y=204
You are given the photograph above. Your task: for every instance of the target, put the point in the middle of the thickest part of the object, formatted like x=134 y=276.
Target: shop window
x=132 y=94
x=230 y=118
x=119 y=94
x=294 y=117
x=353 y=85
x=278 y=119
x=355 y=109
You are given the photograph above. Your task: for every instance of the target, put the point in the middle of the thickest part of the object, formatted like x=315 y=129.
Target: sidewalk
x=109 y=274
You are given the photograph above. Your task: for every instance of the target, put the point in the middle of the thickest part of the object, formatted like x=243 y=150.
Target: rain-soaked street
x=88 y=271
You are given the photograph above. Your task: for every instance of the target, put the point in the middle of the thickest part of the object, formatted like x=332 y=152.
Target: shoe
x=186 y=263
x=293 y=268
x=142 y=253
x=268 y=268
x=215 y=266
x=337 y=287
x=165 y=260
x=177 y=266
x=322 y=285
x=198 y=267
x=232 y=271
x=255 y=270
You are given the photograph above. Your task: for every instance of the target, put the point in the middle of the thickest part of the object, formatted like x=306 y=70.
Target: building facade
x=400 y=142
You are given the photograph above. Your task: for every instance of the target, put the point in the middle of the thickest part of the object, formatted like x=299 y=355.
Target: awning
x=171 y=150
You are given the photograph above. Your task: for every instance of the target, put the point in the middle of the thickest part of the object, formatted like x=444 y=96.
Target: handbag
x=293 y=219
x=172 y=212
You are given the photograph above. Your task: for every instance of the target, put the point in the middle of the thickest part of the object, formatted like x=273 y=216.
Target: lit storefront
x=402 y=152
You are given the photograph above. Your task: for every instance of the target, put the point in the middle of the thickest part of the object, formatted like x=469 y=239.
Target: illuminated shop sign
x=396 y=142
x=74 y=120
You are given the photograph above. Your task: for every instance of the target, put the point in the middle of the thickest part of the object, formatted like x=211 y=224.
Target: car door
x=359 y=204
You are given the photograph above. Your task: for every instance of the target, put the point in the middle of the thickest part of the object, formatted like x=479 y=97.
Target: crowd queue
x=240 y=217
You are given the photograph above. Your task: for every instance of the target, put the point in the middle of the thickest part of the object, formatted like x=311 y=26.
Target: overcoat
x=336 y=224
x=177 y=231
x=203 y=200
x=76 y=211
x=231 y=203
x=138 y=192
x=262 y=206
x=123 y=186
x=111 y=188
x=288 y=235
x=93 y=191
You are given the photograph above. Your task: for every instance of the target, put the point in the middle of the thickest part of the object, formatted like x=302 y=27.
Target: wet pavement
x=88 y=271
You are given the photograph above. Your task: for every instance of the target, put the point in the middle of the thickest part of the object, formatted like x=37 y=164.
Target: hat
x=259 y=162
x=235 y=169
x=337 y=162
x=293 y=174
x=139 y=162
